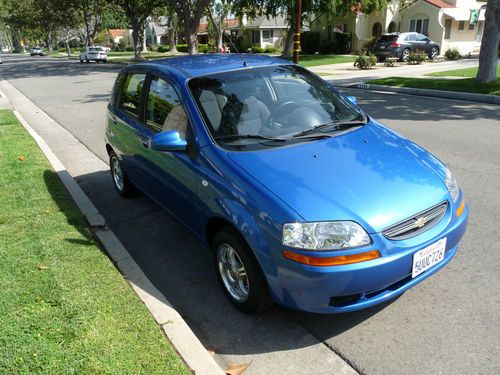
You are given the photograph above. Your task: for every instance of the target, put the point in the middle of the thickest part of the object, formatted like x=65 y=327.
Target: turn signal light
x=460 y=208
x=331 y=261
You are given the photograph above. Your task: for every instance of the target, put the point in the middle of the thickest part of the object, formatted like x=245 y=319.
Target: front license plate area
x=428 y=257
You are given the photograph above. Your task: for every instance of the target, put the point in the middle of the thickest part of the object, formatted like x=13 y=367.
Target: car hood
x=370 y=175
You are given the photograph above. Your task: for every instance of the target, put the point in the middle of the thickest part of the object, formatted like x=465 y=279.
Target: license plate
x=428 y=257
x=382 y=47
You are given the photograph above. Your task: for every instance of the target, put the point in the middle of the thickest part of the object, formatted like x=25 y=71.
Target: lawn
x=466 y=72
x=462 y=85
x=315 y=60
x=65 y=309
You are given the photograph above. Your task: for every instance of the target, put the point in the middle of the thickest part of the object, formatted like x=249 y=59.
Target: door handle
x=145 y=142
x=113 y=119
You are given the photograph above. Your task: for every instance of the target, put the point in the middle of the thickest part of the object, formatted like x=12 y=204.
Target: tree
x=138 y=12
x=91 y=13
x=190 y=13
x=488 y=59
x=218 y=13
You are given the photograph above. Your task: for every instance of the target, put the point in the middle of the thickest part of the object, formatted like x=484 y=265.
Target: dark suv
x=403 y=44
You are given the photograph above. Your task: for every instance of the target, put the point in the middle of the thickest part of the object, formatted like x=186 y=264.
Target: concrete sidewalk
x=344 y=74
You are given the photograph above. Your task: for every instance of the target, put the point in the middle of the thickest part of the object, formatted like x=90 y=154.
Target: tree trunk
x=68 y=50
x=172 y=33
x=48 y=41
x=138 y=38
x=488 y=55
x=191 y=36
x=287 y=50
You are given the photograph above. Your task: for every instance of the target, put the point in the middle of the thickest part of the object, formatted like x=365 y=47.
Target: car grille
x=416 y=224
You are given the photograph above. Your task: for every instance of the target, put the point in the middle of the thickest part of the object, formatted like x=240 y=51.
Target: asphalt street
x=449 y=324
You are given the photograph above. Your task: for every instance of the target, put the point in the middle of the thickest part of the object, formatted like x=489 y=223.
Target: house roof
x=262 y=22
x=203 y=27
x=440 y=3
x=117 y=32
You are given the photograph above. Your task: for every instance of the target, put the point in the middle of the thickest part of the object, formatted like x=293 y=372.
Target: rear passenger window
x=164 y=110
x=130 y=97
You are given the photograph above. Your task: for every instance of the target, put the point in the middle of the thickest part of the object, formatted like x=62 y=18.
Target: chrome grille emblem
x=417 y=223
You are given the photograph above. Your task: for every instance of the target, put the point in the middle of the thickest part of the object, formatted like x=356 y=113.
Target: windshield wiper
x=339 y=125
x=248 y=136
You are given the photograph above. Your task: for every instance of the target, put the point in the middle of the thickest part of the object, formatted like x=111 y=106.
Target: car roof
x=204 y=64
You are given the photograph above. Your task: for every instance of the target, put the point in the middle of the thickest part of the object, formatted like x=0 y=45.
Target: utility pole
x=296 y=35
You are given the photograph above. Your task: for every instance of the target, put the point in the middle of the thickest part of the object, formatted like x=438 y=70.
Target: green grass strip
x=64 y=307
x=316 y=60
x=466 y=73
x=462 y=85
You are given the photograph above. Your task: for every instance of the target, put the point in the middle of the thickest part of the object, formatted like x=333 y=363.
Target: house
x=261 y=31
x=203 y=29
x=156 y=32
x=451 y=23
x=117 y=35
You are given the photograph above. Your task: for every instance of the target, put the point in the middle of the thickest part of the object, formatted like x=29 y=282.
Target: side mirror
x=168 y=141
x=352 y=99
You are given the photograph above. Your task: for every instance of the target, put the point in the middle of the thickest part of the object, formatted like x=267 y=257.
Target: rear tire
x=434 y=53
x=239 y=273
x=120 y=180
x=405 y=54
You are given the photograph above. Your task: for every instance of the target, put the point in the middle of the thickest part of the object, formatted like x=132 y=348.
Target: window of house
x=447 y=28
x=392 y=27
x=420 y=25
x=255 y=36
x=471 y=26
x=162 y=104
x=130 y=97
x=267 y=35
x=461 y=25
x=377 y=30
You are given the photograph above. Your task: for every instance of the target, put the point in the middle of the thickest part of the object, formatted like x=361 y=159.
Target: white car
x=37 y=51
x=97 y=54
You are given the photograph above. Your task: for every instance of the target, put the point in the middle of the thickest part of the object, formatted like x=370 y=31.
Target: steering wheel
x=282 y=109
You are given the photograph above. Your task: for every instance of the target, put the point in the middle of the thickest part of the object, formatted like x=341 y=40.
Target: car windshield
x=95 y=49
x=271 y=107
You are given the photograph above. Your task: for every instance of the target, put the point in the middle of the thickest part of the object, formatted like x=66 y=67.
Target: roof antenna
x=233 y=46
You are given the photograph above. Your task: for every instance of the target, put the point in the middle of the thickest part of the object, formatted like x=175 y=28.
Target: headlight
x=452 y=186
x=334 y=235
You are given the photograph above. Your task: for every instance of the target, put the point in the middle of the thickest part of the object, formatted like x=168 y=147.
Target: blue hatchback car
x=303 y=198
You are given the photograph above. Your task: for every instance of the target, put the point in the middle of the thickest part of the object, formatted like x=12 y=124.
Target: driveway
x=448 y=324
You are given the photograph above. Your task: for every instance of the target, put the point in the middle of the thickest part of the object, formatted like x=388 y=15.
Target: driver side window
x=164 y=110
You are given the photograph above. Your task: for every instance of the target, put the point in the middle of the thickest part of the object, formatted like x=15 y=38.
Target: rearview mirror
x=169 y=140
x=352 y=99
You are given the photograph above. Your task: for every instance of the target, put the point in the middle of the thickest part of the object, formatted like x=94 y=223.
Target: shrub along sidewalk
x=65 y=309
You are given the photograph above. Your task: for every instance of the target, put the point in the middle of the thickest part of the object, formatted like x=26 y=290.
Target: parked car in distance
x=96 y=53
x=402 y=45
x=302 y=198
x=37 y=51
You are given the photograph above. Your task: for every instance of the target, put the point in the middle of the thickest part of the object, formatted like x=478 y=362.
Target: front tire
x=434 y=53
x=239 y=273
x=120 y=180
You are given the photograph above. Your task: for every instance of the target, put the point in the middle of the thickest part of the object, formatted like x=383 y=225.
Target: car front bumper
x=358 y=286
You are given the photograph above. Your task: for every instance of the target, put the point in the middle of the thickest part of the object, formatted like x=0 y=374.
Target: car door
x=124 y=121
x=411 y=39
x=171 y=177
x=424 y=43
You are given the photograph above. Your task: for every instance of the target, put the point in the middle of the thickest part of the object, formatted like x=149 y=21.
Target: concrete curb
x=173 y=325
x=455 y=95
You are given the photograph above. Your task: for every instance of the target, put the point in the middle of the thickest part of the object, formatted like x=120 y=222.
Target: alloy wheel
x=233 y=273
x=117 y=173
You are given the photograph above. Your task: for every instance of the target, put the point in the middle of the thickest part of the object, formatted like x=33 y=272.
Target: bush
x=163 y=49
x=365 y=60
x=257 y=49
x=202 y=48
x=417 y=57
x=129 y=49
x=241 y=44
x=452 y=54
x=62 y=49
x=389 y=62
x=341 y=43
x=182 y=47
x=270 y=50
x=309 y=42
